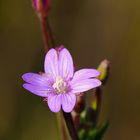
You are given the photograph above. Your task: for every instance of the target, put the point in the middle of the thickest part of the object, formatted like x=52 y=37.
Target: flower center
x=60 y=85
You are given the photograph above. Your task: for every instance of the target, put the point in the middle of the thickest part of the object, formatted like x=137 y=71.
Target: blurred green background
x=92 y=30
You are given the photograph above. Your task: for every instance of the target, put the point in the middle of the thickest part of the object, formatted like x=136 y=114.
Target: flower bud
x=103 y=68
x=78 y=109
x=41 y=7
x=80 y=105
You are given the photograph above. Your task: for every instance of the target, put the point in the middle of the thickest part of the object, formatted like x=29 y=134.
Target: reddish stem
x=45 y=34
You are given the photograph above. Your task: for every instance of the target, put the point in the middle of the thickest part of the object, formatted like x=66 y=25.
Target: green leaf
x=98 y=133
x=82 y=134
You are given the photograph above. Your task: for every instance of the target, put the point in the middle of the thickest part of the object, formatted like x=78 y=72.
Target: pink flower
x=60 y=84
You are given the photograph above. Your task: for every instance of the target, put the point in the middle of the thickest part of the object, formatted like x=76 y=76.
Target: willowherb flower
x=60 y=84
x=41 y=7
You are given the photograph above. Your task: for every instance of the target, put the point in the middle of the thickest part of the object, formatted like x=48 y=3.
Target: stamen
x=60 y=85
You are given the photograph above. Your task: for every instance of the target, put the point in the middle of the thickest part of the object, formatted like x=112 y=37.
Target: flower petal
x=51 y=63
x=38 y=90
x=84 y=85
x=54 y=102
x=85 y=74
x=66 y=67
x=36 y=79
x=68 y=102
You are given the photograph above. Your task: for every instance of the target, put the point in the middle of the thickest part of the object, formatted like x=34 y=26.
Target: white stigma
x=60 y=85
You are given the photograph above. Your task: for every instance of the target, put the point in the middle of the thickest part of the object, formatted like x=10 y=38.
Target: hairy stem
x=70 y=126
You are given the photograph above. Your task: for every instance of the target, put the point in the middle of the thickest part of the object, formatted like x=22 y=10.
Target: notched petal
x=54 y=103
x=37 y=90
x=68 y=102
x=85 y=85
x=51 y=63
x=84 y=74
x=66 y=67
x=36 y=79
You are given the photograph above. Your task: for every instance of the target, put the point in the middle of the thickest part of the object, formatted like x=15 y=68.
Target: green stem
x=99 y=100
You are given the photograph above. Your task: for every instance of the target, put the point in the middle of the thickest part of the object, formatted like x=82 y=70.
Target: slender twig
x=45 y=34
x=70 y=125
x=51 y=37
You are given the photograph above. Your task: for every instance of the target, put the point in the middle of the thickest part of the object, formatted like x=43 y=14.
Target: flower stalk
x=98 y=95
x=45 y=34
x=70 y=125
x=41 y=8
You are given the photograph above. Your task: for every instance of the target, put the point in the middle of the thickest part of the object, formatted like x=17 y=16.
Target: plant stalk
x=70 y=126
x=45 y=33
